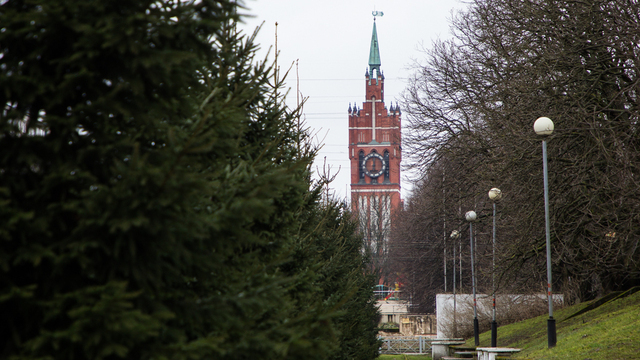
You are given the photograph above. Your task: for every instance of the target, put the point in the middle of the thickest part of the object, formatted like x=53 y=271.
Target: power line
x=360 y=79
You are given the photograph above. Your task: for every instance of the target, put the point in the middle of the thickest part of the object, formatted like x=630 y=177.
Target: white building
x=391 y=310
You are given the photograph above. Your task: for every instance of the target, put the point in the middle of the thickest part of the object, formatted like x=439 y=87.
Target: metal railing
x=406 y=345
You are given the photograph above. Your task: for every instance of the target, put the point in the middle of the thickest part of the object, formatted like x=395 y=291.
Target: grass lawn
x=607 y=328
x=404 y=357
x=608 y=331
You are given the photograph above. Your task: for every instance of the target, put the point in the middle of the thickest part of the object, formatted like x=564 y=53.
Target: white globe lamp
x=495 y=194
x=543 y=126
x=470 y=215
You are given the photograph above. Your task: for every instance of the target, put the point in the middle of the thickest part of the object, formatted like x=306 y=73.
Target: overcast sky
x=330 y=39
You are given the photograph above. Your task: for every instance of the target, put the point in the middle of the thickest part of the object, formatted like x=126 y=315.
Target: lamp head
x=543 y=126
x=454 y=234
x=495 y=194
x=470 y=216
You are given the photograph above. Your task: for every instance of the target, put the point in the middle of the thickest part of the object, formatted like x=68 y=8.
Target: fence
x=406 y=345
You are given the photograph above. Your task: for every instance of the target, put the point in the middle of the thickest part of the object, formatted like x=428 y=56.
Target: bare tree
x=374 y=219
x=472 y=105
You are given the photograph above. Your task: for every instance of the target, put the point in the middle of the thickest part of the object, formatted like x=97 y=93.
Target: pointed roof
x=374 y=51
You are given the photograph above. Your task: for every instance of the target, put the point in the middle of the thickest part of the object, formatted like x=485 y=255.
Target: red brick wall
x=388 y=136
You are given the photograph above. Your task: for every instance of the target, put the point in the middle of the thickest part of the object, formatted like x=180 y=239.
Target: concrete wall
x=507 y=305
x=411 y=325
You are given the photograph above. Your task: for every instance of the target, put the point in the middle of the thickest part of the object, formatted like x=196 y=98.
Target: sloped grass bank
x=608 y=330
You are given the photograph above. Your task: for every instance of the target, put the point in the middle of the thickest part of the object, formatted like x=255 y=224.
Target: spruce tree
x=155 y=192
x=329 y=251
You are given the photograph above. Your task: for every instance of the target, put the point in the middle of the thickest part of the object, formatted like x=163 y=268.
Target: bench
x=464 y=354
x=464 y=348
x=440 y=347
x=490 y=353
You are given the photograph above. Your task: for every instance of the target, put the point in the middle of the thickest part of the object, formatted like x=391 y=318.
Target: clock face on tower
x=373 y=165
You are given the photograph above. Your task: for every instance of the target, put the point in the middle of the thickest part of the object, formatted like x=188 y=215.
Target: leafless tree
x=374 y=219
x=471 y=106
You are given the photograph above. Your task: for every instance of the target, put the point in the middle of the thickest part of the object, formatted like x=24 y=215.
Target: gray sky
x=330 y=40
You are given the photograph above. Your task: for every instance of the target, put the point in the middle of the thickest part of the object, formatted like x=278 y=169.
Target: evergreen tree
x=98 y=204
x=330 y=252
x=155 y=192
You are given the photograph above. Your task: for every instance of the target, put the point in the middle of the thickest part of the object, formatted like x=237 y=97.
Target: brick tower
x=374 y=151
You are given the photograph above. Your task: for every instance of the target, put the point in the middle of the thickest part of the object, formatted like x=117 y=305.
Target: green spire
x=374 y=52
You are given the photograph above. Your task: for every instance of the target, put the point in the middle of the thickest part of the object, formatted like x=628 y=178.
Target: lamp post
x=494 y=194
x=454 y=236
x=544 y=127
x=470 y=216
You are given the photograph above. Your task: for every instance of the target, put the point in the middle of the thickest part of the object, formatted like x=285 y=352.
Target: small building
x=391 y=310
x=396 y=313
x=414 y=325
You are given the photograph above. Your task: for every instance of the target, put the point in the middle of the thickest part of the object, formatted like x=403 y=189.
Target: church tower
x=374 y=151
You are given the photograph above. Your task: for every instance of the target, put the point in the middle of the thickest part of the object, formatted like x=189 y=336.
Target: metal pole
x=445 y=264
x=494 y=323
x=444 y=234
x=551 y=322
x=476 y=329
x=455 y=326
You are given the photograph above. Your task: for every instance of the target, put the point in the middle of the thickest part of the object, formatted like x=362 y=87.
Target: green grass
x=404 y=357
x=608 y=331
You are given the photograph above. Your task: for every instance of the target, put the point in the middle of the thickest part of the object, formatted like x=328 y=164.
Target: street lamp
x=494 y=194
x=470 y=216
x=454 y=236
x=544 y=127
